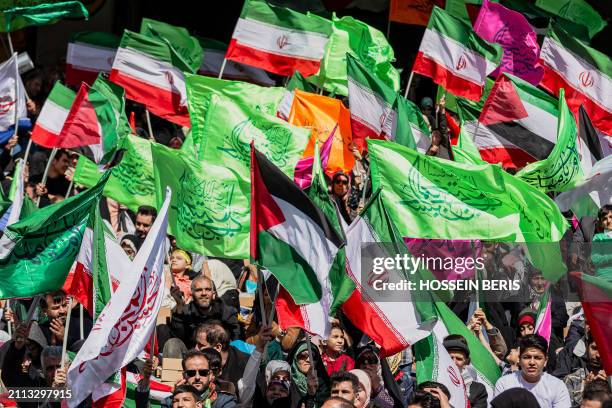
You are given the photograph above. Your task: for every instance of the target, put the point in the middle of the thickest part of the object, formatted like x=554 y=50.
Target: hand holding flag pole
x=66 y=328
x=46 y=173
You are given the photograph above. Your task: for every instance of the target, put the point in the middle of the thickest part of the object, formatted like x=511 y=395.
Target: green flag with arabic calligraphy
x=131 y=182
x=210 y=207
x=428 y=197
x=561 y=170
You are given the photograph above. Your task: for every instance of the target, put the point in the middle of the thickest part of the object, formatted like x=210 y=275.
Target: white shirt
x=549 y=391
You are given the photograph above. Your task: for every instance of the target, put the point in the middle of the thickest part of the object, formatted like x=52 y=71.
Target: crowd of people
x=230 y=358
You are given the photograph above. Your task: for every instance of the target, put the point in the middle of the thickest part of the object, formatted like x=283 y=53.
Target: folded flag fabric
x=584 y=73
x=592 y=145
x=131 y=182
x=303 y=174
x=37 y=252
x=292 y=238
x=214 y=55
x=16 y=195
x=297 y=81
x=41 y=14
x=47 y=131
x=393 y=322
x=453 y=55
x=152 y=74
x=323 y=114
x=517 y=125
x=513 y=32
x=369 y=45
x=428 y=197
x=89 y=53
x=578 y=12
x=12 y=94
x=378 y=112
x=561 y=170
x=278 y=39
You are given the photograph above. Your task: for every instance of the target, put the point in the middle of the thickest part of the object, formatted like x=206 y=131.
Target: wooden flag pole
x=149 y=128
x=222 y=68
x=409 y=82
x=66 y=328
x=9 y=325
x=10 y=43
x=81 y=327
x=70 y=187
x=46 y=173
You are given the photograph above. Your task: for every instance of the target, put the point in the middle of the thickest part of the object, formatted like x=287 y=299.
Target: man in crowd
x=145 y=217
x=457 y=347
x=548 y=390
x=577 y=380
x=344 y=385
x=56 y=186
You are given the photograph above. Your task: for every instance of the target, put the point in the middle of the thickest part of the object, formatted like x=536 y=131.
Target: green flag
x=428 y=197
x=578 y=12
x=37 y=252
x=465 y=151
x=561 y=170
x=131 y=182
x=179 y=39
x=365 y=43
x=342 y=286
x=19 y=17
x=209 y=212
x=298 y=81
x=199 y=91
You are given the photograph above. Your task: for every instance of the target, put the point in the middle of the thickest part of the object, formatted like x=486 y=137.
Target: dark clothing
x=234 y=366
x=478 y=395
x=74 y=331
x=13 y=377
x=515 y=398
x=55 y=186
x=185 y=322
x=223 y=400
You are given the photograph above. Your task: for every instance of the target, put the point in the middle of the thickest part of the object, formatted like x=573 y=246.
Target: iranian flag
x=584 y=73
x=89 y=53
x=517 y=125
x=453 y=55
x=279 y=39
x=394 y=319
x=292 y=238
x=378 y=112
x=146 y=68
x=434 y=362
x=50 y=122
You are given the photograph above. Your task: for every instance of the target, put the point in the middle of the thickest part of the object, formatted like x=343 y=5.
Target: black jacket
x=234 y=366
x=184 y=324
x=478 y=395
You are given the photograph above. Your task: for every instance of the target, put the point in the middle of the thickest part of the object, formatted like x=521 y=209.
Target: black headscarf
x=515 y=398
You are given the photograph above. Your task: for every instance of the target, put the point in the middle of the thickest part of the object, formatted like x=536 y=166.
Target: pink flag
x=445 y=258
x=510 y=29
x=544 y=319
x=302 y=175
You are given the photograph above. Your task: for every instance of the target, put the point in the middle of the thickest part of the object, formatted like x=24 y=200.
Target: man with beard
x=579 y=378
x=54 y=307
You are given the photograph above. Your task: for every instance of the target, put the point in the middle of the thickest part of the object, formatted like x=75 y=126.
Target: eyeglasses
x=343 y=182
x=202 y=371
x=303 y=356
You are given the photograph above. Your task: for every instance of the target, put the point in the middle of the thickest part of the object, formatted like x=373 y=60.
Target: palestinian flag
x=453 y=55
x=278 y=39
x=590 y=142
x=50 y=122
x=292 y=239
x=584 y=73
x=378 y=112
x=89 y=53
x=596 y=298
x=517 y=125
x=432 y=357
x=394 y=319
x=214 y=54
x=146 y=68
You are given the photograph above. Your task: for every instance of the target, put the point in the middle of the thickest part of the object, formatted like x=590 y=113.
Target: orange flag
x=413 y=11
x=322 y=114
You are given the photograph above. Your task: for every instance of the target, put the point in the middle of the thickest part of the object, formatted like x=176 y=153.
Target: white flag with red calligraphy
x=125 y=325
x=12 y=94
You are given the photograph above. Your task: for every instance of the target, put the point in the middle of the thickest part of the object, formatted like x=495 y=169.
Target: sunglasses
x=202 y=371
x=303 y=356
x=343 y=182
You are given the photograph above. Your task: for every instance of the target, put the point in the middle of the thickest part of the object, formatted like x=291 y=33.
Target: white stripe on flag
x=446 y=52
x=279 y=40
x=540 y=122
x=421 y=139
x=572 y=68
x=52 y=117
x=367 y=107
x=90 y=57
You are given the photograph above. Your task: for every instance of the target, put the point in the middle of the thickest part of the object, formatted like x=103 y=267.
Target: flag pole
x=261 y=297
x=70 y=187
x=46 y=173
x=66 y=328
x=27 y=152
x=151 y=137
x=81 y=328
x=10 y=326
x=273 y=311
x=222 y=68
x=409 y=82
x=16 y=104
x=365 y=185
x=10 y=42
x=310 y=357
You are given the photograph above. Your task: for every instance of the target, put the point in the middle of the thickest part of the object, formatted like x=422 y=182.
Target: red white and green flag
x=50 y=122
x=455 y=57
x=378 y=112
x=89 y=53
x=584 y=73
x=278 y=39
x=152 y=74
x=293 y=239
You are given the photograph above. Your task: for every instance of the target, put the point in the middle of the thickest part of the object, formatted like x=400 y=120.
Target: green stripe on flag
x=284 y=17
x=96 y=38
x=534 y=96
x=62 y=96
x=153 y=48
x=597 y=59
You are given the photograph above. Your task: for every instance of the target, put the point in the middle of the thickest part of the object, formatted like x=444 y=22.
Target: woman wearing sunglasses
x=341 y=185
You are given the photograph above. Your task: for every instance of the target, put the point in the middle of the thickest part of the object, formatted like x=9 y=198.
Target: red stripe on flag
x=453 y=128
x=75 y=75
x=160 y=102
x=447 y=79
x=553 y=81
x=503 y=104
x=364 y=316
x=44 y=138
x=289 y=314
x=507 y=156
x=114 y=400
x=79 y=285
x=361 y=132
x=265 y=213
x=81 y=127
x=278 y=64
